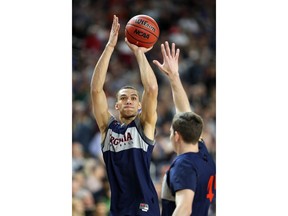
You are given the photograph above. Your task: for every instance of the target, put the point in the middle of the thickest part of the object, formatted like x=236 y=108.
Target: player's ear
x=176 y=136
x=116 y=106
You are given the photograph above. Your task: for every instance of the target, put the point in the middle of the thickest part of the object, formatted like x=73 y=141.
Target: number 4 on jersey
x=210 y=193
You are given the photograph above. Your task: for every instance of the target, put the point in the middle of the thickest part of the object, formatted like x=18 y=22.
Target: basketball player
x=189 y=186
x=127 y=142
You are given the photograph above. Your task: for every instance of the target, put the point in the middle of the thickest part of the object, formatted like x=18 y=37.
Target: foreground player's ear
x=177 y=136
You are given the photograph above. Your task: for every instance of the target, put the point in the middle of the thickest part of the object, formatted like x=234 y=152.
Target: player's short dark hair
x=189 y=125
x=127 y=87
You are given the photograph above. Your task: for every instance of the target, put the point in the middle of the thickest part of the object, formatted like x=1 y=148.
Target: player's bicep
x=184 y=200
x=149 y=107
x=185 y=195
x=100 y=109
x=148 y=114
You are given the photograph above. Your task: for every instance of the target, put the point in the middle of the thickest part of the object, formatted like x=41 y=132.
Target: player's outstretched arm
x=170 y=68
x=99 y=100
x=149 y=98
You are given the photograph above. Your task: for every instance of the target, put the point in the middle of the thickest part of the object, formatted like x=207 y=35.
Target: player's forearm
x=148 y=78
x=180 y=98
x=100 y=70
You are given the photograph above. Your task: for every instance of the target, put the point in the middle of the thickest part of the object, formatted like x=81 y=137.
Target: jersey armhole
x=141 y=132
x=111 y=119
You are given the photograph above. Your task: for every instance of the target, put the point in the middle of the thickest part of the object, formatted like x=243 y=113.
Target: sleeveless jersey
x=127 y=154
x=195 y=171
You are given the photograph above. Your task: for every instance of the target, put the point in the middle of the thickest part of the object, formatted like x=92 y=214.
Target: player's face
x=128 y=103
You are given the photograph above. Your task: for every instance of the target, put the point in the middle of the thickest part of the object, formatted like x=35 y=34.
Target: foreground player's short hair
x=189 y=125
x=127 y=87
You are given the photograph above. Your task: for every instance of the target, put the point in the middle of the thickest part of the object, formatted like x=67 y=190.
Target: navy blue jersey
x=194 y=171
x=127 y=154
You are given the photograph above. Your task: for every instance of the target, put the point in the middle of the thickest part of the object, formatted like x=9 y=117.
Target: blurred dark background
x=191 y=24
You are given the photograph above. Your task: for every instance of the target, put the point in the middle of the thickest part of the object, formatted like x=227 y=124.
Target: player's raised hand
x=135 y=48
x=114 y=32
x=170 y=60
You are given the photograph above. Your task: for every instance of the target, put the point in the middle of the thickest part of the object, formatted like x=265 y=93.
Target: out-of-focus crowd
x=191 y=25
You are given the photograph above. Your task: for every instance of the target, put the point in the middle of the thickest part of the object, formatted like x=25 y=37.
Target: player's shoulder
x=112 y=120
x=185 y=159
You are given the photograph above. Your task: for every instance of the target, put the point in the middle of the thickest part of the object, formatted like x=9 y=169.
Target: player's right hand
x=170 y=60
x=135 y=48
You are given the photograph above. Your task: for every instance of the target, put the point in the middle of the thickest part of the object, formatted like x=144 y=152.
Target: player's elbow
x=152 y=89
x=95 y=90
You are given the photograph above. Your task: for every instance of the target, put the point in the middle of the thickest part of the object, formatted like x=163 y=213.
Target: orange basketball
x=142 y=30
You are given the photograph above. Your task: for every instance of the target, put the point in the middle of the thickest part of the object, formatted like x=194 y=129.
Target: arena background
x=192 y=26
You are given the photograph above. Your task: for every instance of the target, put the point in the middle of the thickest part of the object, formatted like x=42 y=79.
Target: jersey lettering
x=115 y=141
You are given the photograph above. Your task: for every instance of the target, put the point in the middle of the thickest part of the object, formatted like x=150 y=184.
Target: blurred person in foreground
x=189 y=185
x=127 y=142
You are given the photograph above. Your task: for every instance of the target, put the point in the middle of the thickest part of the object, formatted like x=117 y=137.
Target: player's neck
x=125 y=120
x=185 y=147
